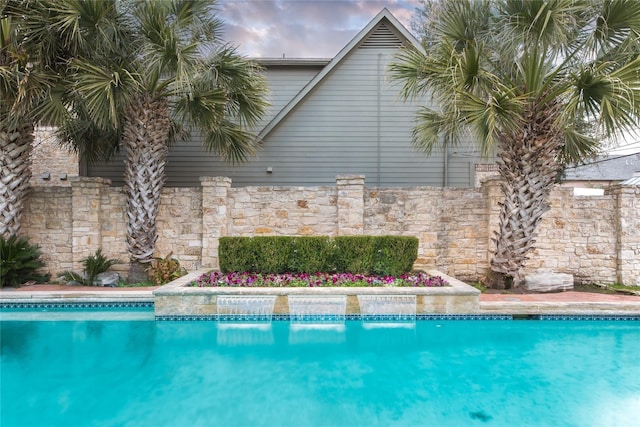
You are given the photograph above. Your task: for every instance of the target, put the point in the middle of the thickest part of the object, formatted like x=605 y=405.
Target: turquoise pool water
x=431 y=373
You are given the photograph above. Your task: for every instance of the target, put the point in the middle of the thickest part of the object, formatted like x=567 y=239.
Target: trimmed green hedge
x=371 y=255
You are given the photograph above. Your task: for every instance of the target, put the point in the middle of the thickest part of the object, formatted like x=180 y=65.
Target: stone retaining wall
x=595 y=238
x=177 y=299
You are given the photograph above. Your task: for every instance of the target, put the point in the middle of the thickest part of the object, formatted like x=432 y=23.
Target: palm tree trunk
x=15 y=172
x=528 y=166
x=145 y=138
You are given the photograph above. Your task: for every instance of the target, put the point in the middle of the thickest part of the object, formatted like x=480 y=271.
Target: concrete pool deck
x=569 y=302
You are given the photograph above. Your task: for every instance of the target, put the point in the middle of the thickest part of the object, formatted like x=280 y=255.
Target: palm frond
x=231 y=141
x=199 y=17
x=463 y=22
x=92 y=144
x=411 y=67
x=611 y=97
x=432 y=129
x=77 y=27
x=204 y=106
x=577 y=147
x=243 y=82
x=491 y=116
x=617 y=23
x=550 y=24
x=174 y=34
x=105 y=91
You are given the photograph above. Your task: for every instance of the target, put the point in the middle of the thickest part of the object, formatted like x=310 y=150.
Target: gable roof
x=384 y=24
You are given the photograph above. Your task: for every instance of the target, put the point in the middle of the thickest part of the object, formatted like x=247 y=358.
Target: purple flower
x=248 y=279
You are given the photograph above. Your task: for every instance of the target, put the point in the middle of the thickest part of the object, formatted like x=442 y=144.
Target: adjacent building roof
x=606 y=168
x=377 y=33
x=270 y=62
x=635 y=180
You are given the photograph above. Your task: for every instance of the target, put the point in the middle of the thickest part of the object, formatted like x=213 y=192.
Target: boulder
x=548 y=282
x=108 y=278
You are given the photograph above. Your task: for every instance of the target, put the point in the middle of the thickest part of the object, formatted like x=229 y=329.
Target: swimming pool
x=436 y=373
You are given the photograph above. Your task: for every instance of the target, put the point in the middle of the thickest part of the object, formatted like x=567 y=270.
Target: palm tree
x=523 y=77
x=21 y=86
x=39 y=40
x=180 y=77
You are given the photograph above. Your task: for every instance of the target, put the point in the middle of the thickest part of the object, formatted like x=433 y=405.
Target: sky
x=302 y=28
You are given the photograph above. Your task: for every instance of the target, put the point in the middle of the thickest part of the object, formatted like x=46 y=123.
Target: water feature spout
x=387 y=310
x=249 y=308
x=317 y=308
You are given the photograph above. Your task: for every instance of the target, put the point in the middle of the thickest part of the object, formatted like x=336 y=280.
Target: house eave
x=295 y=62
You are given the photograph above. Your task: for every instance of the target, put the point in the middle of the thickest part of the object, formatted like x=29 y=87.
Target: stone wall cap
x=79 y=180
x=348 y=177
x=186 y=290
x=207 y=179
x=179 y=287
x=491 y=178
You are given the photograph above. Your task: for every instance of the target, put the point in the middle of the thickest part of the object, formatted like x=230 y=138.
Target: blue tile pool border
x=75 y=305
x=102 y=305
x=629 y=317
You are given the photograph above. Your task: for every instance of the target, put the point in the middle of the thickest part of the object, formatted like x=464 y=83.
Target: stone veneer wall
x=47 y=158
x=47 y=221
x=450 y=223
x=627 y=210
x=578 y=236
x=595 y=238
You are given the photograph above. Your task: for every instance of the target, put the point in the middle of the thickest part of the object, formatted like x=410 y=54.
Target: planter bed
x=306 y=280
x=180 y=298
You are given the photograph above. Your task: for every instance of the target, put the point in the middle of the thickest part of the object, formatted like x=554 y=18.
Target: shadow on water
x=480 y=416
x=17 y=338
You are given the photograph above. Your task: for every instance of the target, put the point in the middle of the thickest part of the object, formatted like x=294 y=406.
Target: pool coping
x=557 y=307
x=525 y=308
x=75 y=296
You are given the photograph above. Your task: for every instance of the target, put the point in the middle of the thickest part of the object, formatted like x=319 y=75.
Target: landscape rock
x=548 y=282
x=108 y=278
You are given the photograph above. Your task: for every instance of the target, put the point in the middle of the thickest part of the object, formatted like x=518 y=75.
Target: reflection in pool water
x=437 y=373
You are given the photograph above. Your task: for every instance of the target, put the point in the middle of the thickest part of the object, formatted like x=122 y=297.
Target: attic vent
x=382 y=37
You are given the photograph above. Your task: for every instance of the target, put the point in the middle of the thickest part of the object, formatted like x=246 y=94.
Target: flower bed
x=248 y=280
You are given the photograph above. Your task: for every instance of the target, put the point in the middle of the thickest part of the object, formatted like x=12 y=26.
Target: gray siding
x=284 y=83
x=352 y=122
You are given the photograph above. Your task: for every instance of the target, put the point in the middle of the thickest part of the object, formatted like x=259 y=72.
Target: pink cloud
x=302 y=28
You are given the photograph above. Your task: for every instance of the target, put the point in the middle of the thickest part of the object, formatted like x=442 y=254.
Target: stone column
x=215 y=212
x=493 y=193
x=350 y=205
x=86 y=221
x=628 y=234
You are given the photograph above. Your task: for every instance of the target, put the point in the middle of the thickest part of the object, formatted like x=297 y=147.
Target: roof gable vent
x=382 y=37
